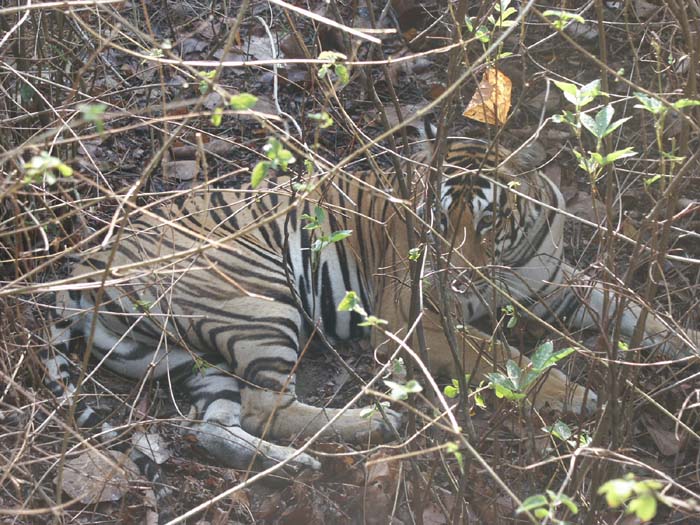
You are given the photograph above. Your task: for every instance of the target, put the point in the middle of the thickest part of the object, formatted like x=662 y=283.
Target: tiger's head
x=492 y=214
x=477 y=205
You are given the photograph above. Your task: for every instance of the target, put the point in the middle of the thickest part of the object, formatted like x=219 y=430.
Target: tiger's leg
x=66 y=327
x=264 y=359
x=480 y=354
x=584 y=310
x=64 y=330
x=283 y=416
x=216 y=395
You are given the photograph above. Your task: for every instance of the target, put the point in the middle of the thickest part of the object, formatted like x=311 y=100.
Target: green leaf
x=399 y=367
x=482 y=34
x=542 y=355
x=685 y=103
x=320 y=214
x=651 y=484
x=652 y=105
x=372 y=320
x=142 y=305
x=280 y=157
x=325 y=120
x=400 y=392
x=453 y=448
x=651 y=180
x=413 y=387
x=41 y=168
x=349 y=302
x=94 y=113
x=469 y=23
x=582 y=96
x=589 y=123
x=451 y=391
x=596 y=158
x=559 y=356
x=514 y=373
x=589 y=92
x=563 y=17
x=368 y=412
x=616 y=491
x=542 y=513
x=643 y=506
x=340 y=235
x=560 y=430
x=566 y=500
x=603 y=119
x=217 y=116
x=302 y=187
x=479 y=401
x=569 y=90
x=316 y=220
x=612 y=127
x=242 y=101
x=343 y=74
x=341 y=70
x=617 y=155
x=503 y=387
x=332 y=56
x=566 y=117
x=259 y=172
x=207 y=77
x=532 y=502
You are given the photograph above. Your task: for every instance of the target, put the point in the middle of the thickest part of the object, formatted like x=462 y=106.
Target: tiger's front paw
x=676 y=347
x=572 y=398
x=379 y=429
x=581 y=401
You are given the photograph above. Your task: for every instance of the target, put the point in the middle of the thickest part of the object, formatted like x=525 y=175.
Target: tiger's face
x=480 y=219
x=476 y=203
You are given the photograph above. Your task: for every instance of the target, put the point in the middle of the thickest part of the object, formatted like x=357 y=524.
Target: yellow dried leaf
x=491 y=101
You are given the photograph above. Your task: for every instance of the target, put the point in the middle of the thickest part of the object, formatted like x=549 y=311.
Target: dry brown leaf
x=193 y=45
x=644 y=9
x=581 y=32
x=491 y=100
x=189 y=152
x=291 y=48
x=152 y=445
x=547 y=98
x=393 y=117
x=259 y=48
x=181 y=170
x=629 y=229
x=213 y=101
x=582 y=205
x=531 y=156
x=96 y=476
x=435 y=91
x=382 y=479
x=411 y=16
x=666 y=441
x=433 y=515
x=338 y=465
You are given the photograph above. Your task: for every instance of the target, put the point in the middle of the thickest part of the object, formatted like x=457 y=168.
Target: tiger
x=213 y=290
